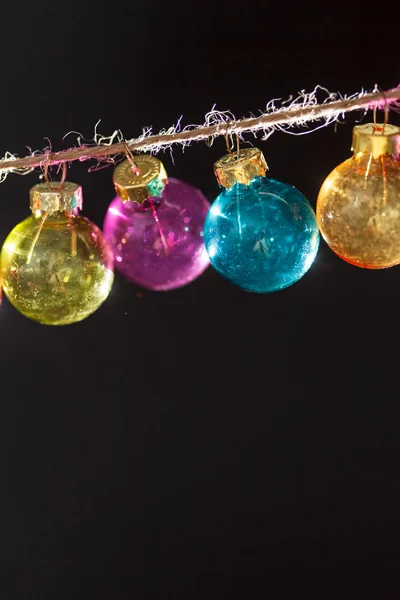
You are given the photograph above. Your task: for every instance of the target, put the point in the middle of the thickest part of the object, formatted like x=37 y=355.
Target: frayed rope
x=294 y=113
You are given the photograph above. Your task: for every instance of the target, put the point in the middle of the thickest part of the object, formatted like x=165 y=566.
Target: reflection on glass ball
x=263 y=237
x=159 y=244
x=56 y=269
x=358 y=211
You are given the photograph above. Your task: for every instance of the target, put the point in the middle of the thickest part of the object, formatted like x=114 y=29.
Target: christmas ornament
x=260 y=233
x=155 y=226
x=56 y=266
x=358 y=206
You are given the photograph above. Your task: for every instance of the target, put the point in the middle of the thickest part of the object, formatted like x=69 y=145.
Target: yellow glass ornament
x=56 y=266
x=358 y=206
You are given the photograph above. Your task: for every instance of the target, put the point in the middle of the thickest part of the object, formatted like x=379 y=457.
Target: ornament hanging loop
x=228 y=142
x=130 y=158
x=63 y=173
x=386 y=115
x=47 y=176
x=237 y=145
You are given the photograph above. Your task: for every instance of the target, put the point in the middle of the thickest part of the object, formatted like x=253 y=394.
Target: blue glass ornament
x=261 y=234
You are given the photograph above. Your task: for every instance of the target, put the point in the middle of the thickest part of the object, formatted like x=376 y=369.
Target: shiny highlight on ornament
x=56 y=267
x=358 y=206
x=261 y=234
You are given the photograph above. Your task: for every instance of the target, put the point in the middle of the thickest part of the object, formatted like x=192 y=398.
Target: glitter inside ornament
x=157 y=241
x=261 y=234
x=56 y=266
x=358 y=206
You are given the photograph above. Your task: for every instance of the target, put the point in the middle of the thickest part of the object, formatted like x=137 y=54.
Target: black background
x=204 y=443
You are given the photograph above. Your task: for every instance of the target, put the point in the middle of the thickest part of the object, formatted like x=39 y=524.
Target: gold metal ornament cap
x=240 y=168
x=55 y=196
x=376 y=139
x=138 y=187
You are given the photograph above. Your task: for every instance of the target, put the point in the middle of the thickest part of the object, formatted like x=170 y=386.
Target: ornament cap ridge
x=376 y=139
x=56 y=196
x=240 y=167
x=139 y=187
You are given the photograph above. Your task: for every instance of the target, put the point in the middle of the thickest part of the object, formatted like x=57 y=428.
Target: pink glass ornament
x=159 y=244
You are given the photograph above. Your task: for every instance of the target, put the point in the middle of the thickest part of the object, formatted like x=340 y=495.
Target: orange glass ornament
x=358 y=206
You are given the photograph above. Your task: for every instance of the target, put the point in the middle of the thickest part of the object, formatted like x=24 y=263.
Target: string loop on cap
x=237 y=145
x=130 y=158
x=63 y=174
x=47 y=176
x=386 y=113
x=227 y=143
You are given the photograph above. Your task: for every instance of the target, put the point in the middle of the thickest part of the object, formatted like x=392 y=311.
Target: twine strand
x=278 y=118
